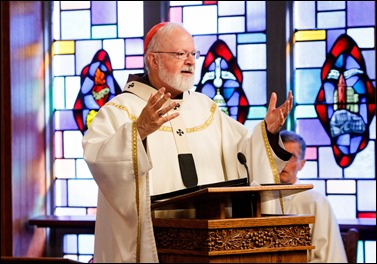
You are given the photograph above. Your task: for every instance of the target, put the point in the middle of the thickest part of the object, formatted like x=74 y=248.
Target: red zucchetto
x=151 y=34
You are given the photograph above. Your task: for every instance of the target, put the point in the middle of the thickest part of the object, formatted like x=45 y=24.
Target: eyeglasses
x=182 y=55
x=294 y=158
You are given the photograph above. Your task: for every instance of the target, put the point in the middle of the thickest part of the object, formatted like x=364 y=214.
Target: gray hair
x=290 y=136
x=155 y=42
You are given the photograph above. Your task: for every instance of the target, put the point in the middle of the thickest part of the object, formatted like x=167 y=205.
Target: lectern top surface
x=188 y=200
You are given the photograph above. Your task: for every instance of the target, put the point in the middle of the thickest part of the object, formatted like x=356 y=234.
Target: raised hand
x=152 y=117
x=275 y=117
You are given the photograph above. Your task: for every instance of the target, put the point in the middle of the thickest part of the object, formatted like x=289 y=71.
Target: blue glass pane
x=312 y=131
x=256 y=16
x=64 y=120
x=304 y=111
x=328 y=168
x=86 y=244
x=252 y=38
x=115 y=49
x=370 y=252
x=72 y=144
x=130 y=19
x=364 y=165
x=203 y=43
x=58 y=139
x=103 y=12
x=231 y=24
x=370 y=61
x=196 y=26
x=309 y=171
x=63 y=65
x=55 y=16
x=302 y=49
x=231 y=8
x=341 y=186
x=360 y=252
x=372 y=129
x=183 y=3
x=366 y=195
x=85 y=51
x=304 y=14
x=72 y=5
x=82 y=192
x=75 y=24
x=255 y=87
x=361 y=13
x=72 y=84
x=332 y=36
x=134 y=46
x=100 y=32
x=252 y=56
x=82 y=169
x=307 y=85
x=58 y=93
x=70 y=244
x=257 y=113
x=363 y=37
x=331 y=19
x=60 y=191
x=330 y=5
x=344 y=206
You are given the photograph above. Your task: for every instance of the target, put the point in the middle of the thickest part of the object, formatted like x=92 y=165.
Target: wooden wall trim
x=5 y=134
x=23 y=175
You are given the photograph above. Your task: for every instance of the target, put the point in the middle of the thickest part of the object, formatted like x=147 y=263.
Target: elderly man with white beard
x=159 y=136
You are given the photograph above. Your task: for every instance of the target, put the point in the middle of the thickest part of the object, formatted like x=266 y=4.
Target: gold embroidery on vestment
x=275 y=172
x=136 y=174
x=168 y=128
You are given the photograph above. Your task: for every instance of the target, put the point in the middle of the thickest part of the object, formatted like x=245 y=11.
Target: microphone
x=242 y=159
x=242 y=207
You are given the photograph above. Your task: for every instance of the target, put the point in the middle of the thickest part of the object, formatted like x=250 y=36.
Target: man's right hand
x=154 y=114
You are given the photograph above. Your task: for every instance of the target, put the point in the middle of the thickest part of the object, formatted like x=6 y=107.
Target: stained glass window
x=334 y=80
x=334 y=88
x=96 y=44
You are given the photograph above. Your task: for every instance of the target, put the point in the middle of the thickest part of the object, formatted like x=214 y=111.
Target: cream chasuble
x=127 y=173
x=325 y=231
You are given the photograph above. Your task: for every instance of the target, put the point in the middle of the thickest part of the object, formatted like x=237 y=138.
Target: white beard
x=178 y=82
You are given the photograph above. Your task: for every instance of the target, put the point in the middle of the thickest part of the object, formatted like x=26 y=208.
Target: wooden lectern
x=247 y=236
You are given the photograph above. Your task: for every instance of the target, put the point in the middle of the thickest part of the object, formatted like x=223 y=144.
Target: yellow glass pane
x=63 y=47
x=306 y=35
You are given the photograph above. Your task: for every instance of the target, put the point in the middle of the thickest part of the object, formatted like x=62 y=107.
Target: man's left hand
x=275 y=117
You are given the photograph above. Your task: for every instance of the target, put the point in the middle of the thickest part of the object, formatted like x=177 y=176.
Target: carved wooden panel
x=232 y=238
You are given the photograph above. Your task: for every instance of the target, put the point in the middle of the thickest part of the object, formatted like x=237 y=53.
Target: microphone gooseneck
x=242 y=159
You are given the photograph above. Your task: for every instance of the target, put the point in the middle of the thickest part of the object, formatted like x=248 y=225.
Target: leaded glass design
x=98 y=86
x=334 y=73
x=96 y=44
x=345 y=103
x=221 y=80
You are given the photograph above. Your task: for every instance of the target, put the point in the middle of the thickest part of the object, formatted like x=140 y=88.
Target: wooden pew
x=12 y=260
